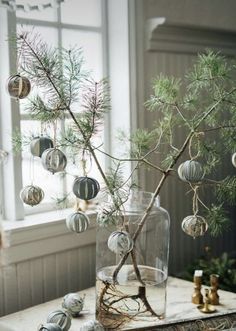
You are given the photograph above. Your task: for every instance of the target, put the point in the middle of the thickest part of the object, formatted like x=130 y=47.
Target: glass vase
x=131 y=287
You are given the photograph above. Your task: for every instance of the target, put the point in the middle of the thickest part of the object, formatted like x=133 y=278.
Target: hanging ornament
x=49 y=327
x=39 y=144
x=54 y=160
x=73 y=303
x=18 y=86
x=194 y=225
x=120 y=242
x=92 y=325
x=86 y=188
x=77 y=222
x=191 y=171
x=234 y=160
x=31 y=195
x=61 y=318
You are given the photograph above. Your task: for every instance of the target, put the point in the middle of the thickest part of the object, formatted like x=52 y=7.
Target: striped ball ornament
x=194 y=225
x=60 y=317
x=191 y=171
x=86 y=188
x=39 y=144
x=120 y=242
x=73 y=303
x=31 y=195
x=49 y=327
x=234 y=160
x=92 y=325
x=77 y=222
x=53 y=160
x=18 y=86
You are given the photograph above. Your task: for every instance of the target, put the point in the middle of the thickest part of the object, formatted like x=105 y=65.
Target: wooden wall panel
x=41 y=279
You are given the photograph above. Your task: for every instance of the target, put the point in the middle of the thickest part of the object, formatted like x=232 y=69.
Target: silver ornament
x=49 y=327
x=194 y=225
x=120 y=242
x=73 y=303
x=92 y=325
x=234 y=160
x=77 y=222
x=86 y=188
x=31 y=195
x=191 y=171
x=18 y=86
x=60 y=317
x=54 y=160
x=39 y=144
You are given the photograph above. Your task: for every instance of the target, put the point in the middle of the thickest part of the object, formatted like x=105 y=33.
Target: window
x=106 y=26
x=72 y=23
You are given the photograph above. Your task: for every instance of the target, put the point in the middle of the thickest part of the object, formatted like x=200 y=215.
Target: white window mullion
x=10 y=119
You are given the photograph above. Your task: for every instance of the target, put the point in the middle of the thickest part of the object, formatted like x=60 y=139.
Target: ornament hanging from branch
x=53 y=160
x=18 y=86
x=39 y=144
x=194 y=225
x=77 y=222
x=31 y=195
x=86 y=188
x=120 y=242
x=191 y=171
x=234 y=160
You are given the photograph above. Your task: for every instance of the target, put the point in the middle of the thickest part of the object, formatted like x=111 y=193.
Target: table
x=181 y=314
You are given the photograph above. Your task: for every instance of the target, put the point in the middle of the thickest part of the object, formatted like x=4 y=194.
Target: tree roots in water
x=116 y=308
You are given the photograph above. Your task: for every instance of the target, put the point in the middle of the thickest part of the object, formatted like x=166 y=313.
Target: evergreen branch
x=217 y=220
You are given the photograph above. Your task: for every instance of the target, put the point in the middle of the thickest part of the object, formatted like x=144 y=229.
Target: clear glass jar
x=131 y=288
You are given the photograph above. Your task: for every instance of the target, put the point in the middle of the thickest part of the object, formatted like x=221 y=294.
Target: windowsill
x=41 y=234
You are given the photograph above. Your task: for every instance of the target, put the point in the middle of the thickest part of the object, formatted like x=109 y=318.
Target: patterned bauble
x=92 y=325
x=49 y=327
x=191 y=171
x=39 y=144
x=234 y=160
x=18 y=86
x=31 y=195
x=120 y=242
x=194 y=225
x=54 y=160
x=77 y=222
x=73 y=303
x=60 y=317
x=86 y=188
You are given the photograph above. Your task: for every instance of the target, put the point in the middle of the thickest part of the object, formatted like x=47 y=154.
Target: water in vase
x=128 y=302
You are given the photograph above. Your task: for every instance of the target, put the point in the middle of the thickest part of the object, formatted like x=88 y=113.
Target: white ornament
x=53 y=160
x=92 y=325
x=49 y=327
x=60 y=317
x=18 y=86
x=191 y=171
x=194 y=225
x=234 y=160
x=73 y=303
x=120 y=242
x=77 y=222
x=31 y=195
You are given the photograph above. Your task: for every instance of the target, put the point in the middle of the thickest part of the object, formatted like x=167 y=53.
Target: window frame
x=119 y=18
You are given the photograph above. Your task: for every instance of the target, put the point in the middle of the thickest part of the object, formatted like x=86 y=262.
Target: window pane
x=32 y=169
x=48 y=35
x=81 y=12
x=45 y=14
x=91 y=43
